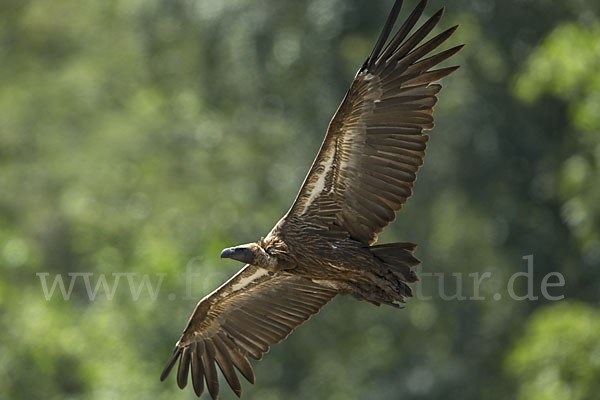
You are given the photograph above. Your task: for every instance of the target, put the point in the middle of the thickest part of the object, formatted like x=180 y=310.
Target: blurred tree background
x=139 y=138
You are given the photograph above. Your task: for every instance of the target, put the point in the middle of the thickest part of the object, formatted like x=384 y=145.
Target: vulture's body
x=324 y=245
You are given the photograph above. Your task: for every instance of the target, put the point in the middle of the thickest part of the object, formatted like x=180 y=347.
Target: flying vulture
x=324 y=245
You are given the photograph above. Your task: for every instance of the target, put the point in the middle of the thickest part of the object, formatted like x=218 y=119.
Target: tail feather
x=399 y=258
x=386 y=281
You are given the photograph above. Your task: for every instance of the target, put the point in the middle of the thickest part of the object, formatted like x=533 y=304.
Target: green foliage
x=139 y=138
x=566 y=66
x=558 y=356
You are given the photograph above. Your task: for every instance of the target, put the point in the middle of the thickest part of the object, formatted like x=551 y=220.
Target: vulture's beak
x=241 y=253
x=227 y=253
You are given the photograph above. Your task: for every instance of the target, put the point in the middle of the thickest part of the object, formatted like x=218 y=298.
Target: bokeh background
x=139 y=138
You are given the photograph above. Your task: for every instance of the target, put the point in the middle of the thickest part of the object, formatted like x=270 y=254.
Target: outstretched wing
x=252 y=310
x=374 y=146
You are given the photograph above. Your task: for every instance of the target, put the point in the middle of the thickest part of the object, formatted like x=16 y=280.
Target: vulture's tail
x=388 y=283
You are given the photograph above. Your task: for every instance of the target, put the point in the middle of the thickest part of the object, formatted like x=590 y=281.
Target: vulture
x=325 y=245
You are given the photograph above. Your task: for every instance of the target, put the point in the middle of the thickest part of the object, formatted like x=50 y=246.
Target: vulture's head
x=245 y=253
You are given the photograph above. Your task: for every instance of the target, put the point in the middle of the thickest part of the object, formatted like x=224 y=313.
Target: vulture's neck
x=265 y=260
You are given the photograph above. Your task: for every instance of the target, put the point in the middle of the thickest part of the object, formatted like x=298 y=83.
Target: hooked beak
x=227 y=253
x=241 y=253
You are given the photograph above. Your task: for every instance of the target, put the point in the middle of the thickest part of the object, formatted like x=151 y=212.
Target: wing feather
x=197 y=370
x=210 y=370
x=226 y=365
x=237 y=359
x=184 y=366
x=242 y=318
x=375 y=143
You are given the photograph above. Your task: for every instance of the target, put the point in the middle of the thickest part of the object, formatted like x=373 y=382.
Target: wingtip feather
x=210 y=370
x=167 y=370
x=384 y=35
x=406 y=27
x=197 y=370
x=184 y=368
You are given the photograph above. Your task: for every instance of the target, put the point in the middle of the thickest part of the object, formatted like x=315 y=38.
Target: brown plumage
x=324 y=245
